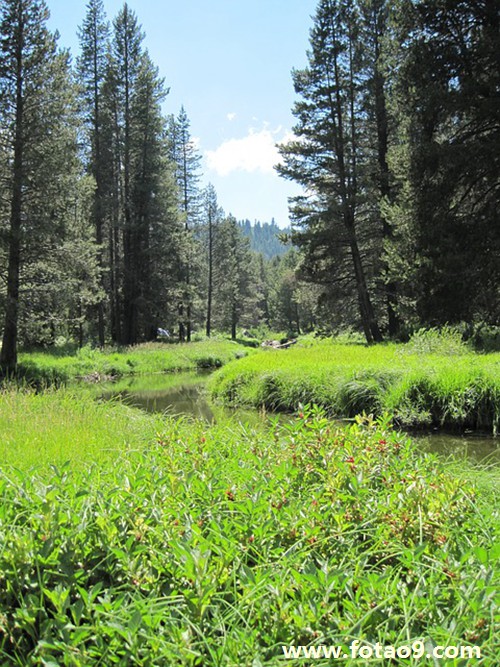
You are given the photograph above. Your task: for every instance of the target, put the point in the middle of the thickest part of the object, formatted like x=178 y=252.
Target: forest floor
x=133 y=539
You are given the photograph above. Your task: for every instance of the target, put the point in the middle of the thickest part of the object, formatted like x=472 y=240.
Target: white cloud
x=231 y=116
x=255 y=152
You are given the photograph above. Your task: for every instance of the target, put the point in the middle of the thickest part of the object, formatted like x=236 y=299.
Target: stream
x=185 y=394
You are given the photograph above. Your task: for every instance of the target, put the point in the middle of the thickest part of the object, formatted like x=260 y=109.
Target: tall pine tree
x=446 y=250
x=328 y=158
x=187 y=161
x=91 y=68
x=38 y=144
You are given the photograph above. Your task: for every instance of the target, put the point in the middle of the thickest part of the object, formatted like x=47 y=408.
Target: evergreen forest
x=106 y=235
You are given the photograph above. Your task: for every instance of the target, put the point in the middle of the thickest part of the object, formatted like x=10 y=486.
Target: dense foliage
x=219 y=545
x=265 y=237
x=396 y=146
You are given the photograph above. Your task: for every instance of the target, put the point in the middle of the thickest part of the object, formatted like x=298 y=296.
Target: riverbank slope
x=419 y=389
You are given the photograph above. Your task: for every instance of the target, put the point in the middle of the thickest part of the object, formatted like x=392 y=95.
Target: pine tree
x=446 y=250
x=212 y=217
x=235 y=290
x=187 y=160
x=151 y=207
x=327 y=159
x=38 y=144
x=127 y=58
x=91 y=67
x=377 y=44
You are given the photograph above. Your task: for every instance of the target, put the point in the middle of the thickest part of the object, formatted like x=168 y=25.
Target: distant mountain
x=264 y=237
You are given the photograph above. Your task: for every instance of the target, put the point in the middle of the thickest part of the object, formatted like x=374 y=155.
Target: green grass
x=460 y=390
x=218 y=545
x=51 y=368
x=55 y=427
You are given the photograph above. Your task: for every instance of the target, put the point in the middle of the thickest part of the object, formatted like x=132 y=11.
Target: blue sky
x=229 y=63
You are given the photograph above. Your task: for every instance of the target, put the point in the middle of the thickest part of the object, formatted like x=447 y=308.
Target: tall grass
x=218 y=545
x=418 y=387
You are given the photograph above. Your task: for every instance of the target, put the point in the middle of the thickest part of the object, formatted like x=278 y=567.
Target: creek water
x=185 y=394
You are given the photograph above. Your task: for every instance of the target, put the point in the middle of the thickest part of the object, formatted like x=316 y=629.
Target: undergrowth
x=219 y=545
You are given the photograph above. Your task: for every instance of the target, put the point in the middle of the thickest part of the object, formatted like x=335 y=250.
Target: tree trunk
x=234 y=322
x=349 y=193
x=8 y=354
x=98 y=207
x=210 y=274
x=129 y=270
x=182 y=330
x=368 y=320
x=297 y=318
x=384 y=184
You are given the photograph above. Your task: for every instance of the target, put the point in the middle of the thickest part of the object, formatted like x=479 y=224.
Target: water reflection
x=173 y=394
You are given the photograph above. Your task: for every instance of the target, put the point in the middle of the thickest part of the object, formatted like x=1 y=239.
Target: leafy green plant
x=218 y=545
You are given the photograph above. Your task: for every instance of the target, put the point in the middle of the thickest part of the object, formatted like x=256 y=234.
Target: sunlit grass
x=461 y=390
x=38 y=429
x=50 y=367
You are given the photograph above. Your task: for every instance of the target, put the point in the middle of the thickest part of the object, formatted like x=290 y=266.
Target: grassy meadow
x=130 y=540
x=418 y=385
x=58 y=427
x=59 y=366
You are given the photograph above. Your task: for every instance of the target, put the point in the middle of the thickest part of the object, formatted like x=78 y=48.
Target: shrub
x=444 y=341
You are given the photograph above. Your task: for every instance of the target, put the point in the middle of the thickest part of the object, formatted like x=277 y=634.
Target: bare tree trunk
x=210 y=274
x=8 y=354
x=234 y=322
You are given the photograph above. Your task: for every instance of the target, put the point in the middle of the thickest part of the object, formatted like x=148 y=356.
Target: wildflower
x=350 y=460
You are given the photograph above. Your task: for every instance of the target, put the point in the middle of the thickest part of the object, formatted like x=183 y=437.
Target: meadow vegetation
x=58 y=367
x=188 y=544
x=70 y=426
x=431 y=381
